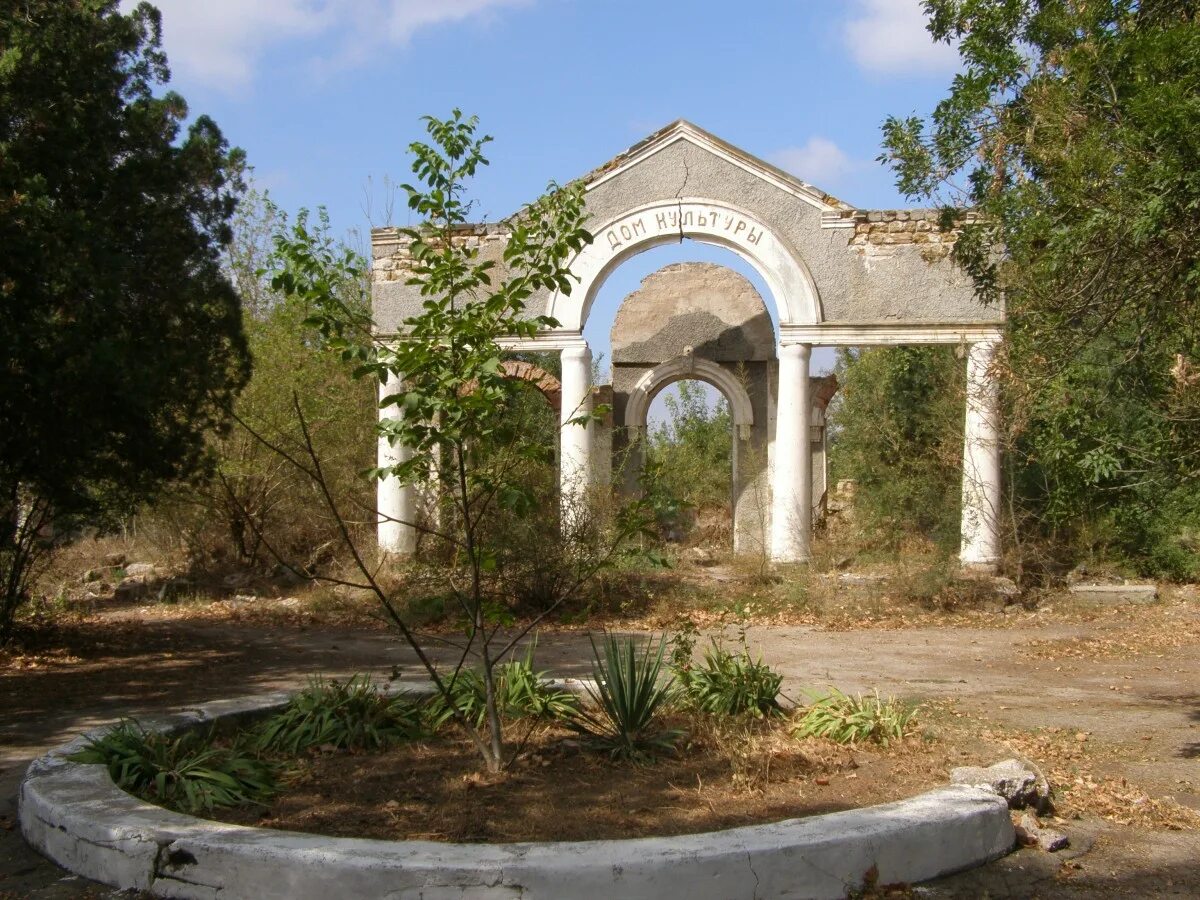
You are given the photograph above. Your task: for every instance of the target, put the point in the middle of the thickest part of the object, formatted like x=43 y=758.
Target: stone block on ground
x=1115 y=594
x=1019 y=783
x=132 y=589
x=861 y=578
x=174 y=588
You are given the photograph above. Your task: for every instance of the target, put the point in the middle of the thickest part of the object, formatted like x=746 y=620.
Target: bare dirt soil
x=724 y=775
x=1106 y=700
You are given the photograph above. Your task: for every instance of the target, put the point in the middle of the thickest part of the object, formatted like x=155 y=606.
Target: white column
x=791 y=479
x=397 y=503
x=981 y=495
x=575 y=459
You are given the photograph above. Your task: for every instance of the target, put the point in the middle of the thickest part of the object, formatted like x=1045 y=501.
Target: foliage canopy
x=1071 y=129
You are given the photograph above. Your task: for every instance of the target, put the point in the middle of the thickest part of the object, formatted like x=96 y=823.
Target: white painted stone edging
x=74 y=814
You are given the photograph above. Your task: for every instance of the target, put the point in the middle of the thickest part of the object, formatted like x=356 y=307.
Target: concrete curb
x=75 y=815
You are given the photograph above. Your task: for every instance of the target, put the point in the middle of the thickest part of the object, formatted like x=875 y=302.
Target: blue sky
x=325 y=95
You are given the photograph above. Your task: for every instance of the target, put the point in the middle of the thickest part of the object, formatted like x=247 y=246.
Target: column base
x=974 y=569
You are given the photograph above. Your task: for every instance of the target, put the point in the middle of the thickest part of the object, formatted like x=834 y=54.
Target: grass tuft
x=344 y=715
x=731 y=684
x=854 y=719
x=186 y=772
x=521 y=692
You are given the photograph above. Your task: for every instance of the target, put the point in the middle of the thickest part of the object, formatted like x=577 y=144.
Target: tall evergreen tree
x=121 y=339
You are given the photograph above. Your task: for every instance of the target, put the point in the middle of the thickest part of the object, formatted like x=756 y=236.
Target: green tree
x=1071 y=130
x=121 y=337
x=250 y=493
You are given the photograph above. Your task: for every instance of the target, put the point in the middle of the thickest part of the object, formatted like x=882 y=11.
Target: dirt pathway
x=1137 y=708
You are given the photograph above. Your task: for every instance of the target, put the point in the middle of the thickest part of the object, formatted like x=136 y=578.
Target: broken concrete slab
x=1032 y=833
x=1019 y=783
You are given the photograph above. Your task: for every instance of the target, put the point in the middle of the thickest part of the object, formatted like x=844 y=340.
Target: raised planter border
x=74 y=814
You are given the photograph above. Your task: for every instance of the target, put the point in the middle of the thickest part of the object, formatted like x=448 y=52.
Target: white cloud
x=818 y=161
x=407 y=16
x=889 y=37
x=221 y=42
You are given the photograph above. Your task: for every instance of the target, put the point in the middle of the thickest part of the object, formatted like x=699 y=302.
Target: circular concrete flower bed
x=74 y=814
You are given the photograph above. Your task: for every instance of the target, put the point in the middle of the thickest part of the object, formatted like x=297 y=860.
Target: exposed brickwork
x=823 y=389
x=392 y=256
x=538 y=377
x=878 y=229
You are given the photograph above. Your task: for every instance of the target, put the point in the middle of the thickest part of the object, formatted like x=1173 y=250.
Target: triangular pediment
x=682 y=130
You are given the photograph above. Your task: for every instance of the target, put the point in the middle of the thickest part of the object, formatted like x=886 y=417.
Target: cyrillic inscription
x=682 y=218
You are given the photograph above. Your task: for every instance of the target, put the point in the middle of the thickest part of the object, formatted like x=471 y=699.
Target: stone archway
x=634 y=231
x=682 y=368
x=746 y=508
x=837 y=275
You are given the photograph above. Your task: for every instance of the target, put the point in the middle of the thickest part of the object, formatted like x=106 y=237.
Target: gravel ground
x=1111 y=705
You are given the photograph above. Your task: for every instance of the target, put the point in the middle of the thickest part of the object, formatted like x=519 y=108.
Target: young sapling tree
x=450 y=401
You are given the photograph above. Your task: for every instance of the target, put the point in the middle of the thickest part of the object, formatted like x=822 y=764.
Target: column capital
x=577 y=351
x=795 y=349
x=988 y=343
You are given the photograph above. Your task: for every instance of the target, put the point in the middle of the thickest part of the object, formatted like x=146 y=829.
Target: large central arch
x=792 y=288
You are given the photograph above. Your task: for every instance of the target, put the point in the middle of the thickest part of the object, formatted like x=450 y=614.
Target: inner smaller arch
x=689 y=456
x=697 y=323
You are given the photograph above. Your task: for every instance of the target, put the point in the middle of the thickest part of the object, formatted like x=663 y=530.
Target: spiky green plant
x=353 y=714
x=186 y=772
x=627 y=699
x=731 y=684
x=853 y=719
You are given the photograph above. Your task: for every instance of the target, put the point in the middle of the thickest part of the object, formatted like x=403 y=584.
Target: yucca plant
x=187 y=772
x=731 y=684
x=521 y=692
x=627 y=699
x=849 y=720
x=346 y=715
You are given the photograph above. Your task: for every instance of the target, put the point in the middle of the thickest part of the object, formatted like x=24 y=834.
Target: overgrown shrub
x=250 y=496
x=854 y=719
x=688 y=456
x=346 y=715
x=1099 y=471
x=186 y=772
x=1092 y=455
x=627 y=699
x=897 y=433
